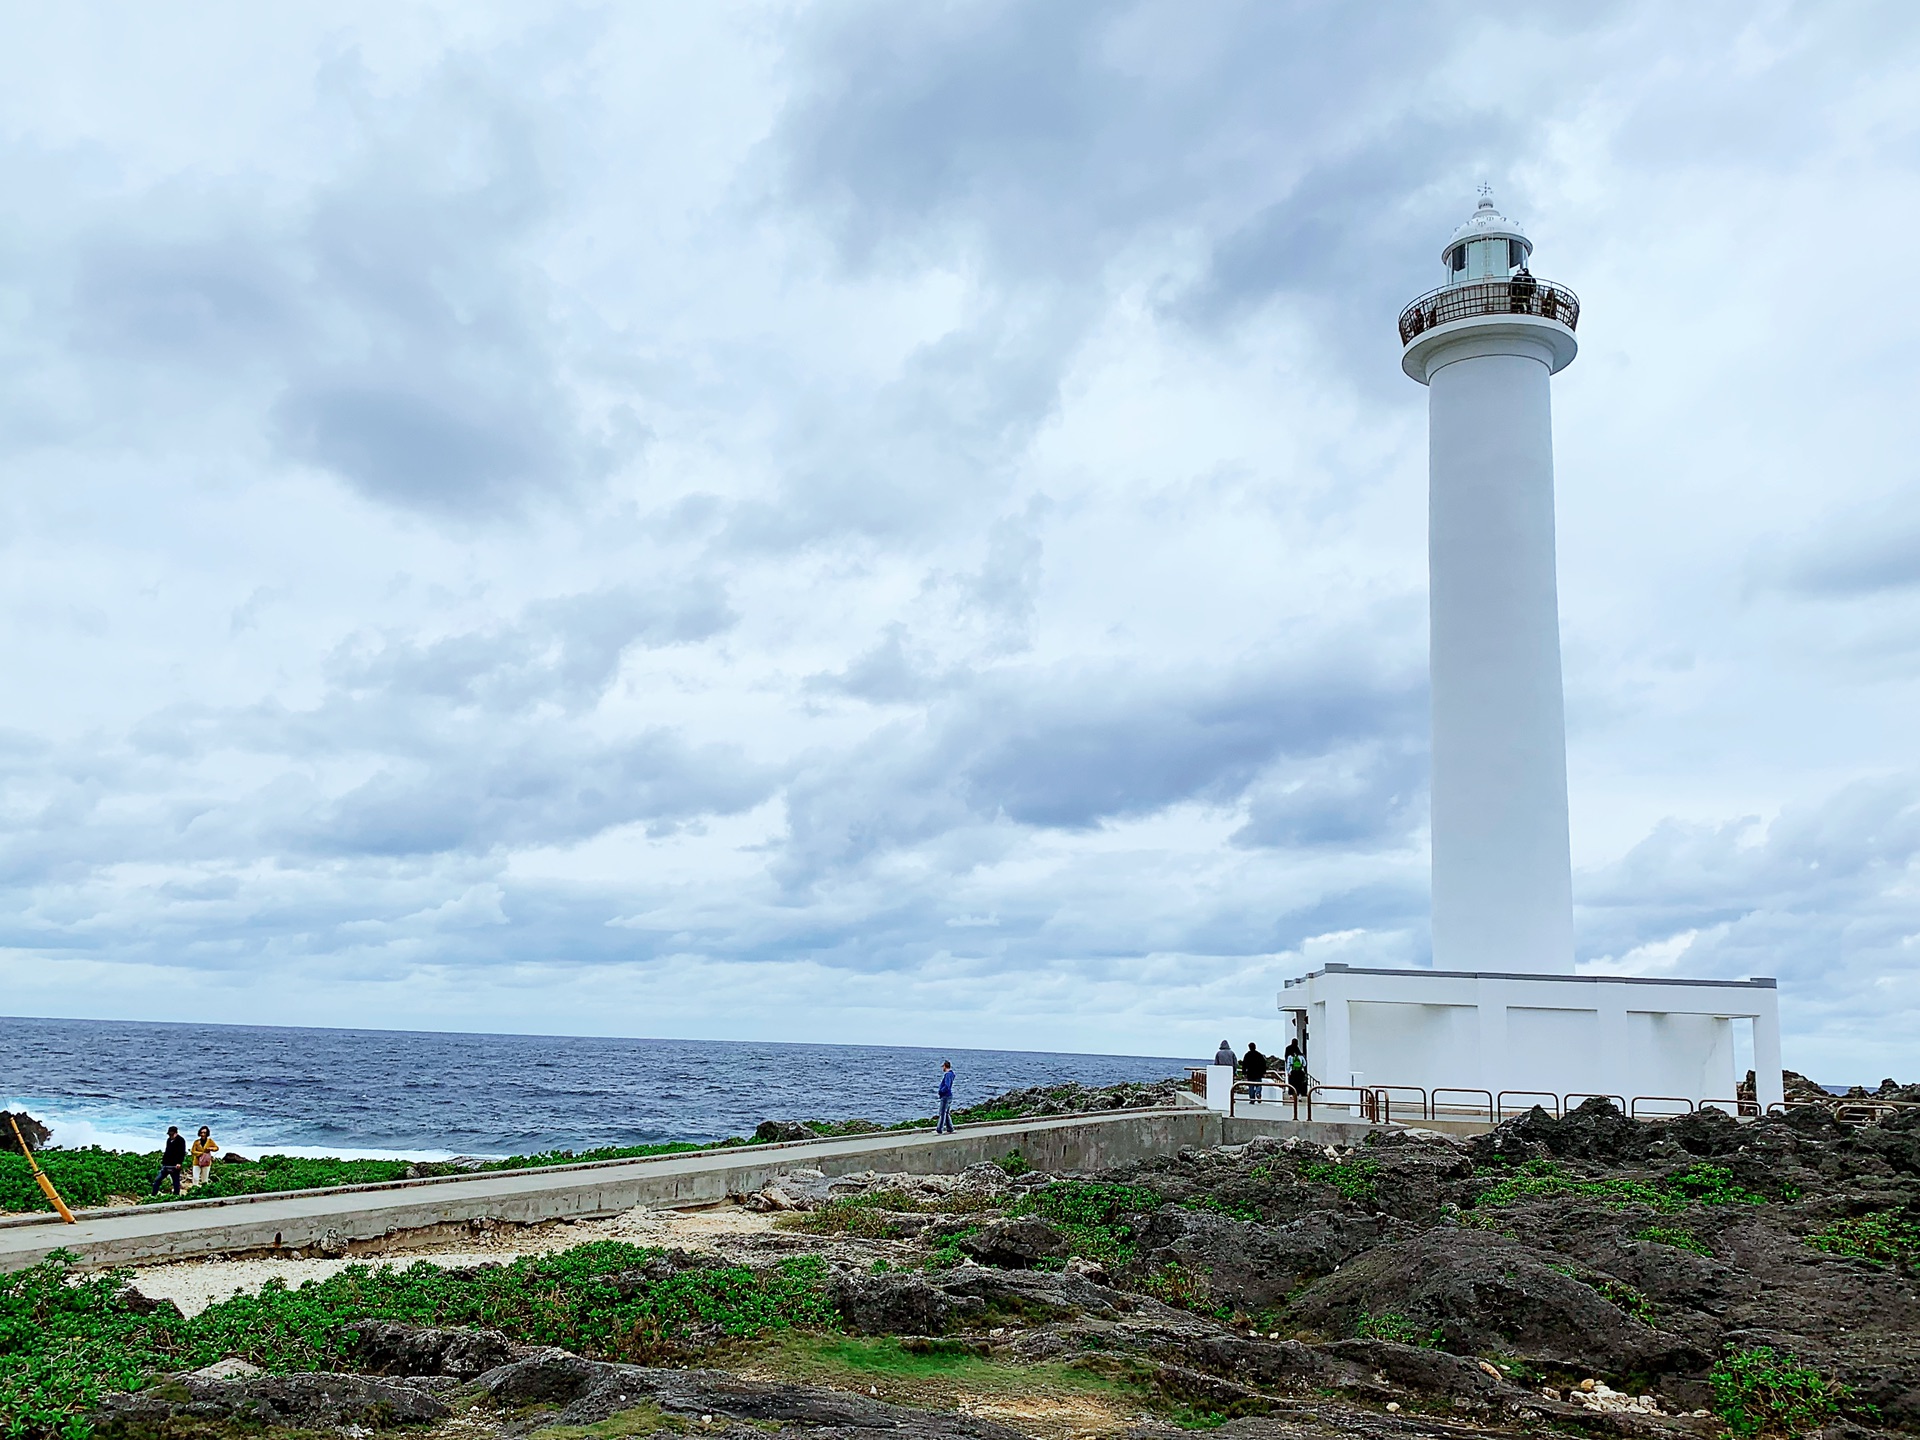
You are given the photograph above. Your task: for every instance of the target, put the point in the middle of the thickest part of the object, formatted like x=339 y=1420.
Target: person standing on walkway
x=1224 y=1055
x=945 y=1127
x=172 y=1156
x=1255 y=1068
x=203 y=1150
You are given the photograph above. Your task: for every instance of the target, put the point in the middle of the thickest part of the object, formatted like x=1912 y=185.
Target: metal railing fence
x=1516 y=295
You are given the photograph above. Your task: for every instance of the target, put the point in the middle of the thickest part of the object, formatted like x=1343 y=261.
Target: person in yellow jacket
x=203 y=1149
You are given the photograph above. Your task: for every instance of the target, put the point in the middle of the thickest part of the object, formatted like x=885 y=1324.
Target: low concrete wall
x=337 y=1218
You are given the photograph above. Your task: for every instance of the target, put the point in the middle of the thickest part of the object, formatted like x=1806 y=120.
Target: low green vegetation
x=1699 y=1184
x=942 y=1374
x=87 y=1177
x=1881 y=1239
x=91 y=1177
x=1679 y=1239
x=1355 y=1179
x=1092 y=1216
x=1761 y=1392
x=66 y=1338
x=1390 y=1325
x=1214 y=1205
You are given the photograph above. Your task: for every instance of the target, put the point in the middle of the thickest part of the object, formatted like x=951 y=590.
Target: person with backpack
x=945 y=1127
x=172 y=1156
x=1296 y=1069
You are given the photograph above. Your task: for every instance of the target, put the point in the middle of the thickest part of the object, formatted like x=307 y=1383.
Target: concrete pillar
x=1493 y=1036
x=1768 y=1087
x=1336 y=1043
x=1219 y=1086
x=1611 y=1001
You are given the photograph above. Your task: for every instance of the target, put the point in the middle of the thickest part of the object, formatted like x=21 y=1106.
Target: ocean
x=428 y=1095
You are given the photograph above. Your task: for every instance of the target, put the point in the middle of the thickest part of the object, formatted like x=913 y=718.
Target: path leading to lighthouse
x=338 y=1219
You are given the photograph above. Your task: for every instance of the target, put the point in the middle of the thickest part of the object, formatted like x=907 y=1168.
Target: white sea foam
x=118 y=1128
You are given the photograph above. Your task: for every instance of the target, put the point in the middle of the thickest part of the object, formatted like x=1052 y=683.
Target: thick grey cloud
x=798 y=524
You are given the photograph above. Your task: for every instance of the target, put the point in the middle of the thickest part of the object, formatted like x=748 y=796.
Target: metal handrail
x=1240 y=1087
x=1368 y=1105
x=1515 y=295
x=1633 y=1109
x=1386 y=1100
x=1453 y=1090
x=1567 y=1105
x=1500 y=1101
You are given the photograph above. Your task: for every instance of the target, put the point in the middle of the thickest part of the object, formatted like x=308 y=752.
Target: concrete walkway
x=335 y=1219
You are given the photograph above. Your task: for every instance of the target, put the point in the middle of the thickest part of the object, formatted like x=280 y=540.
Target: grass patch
x=1881 y=1239
x=647 y=1419
x=67 y=1338
x=1390 y=1325
x=935 y=1374
x=1761 y=1392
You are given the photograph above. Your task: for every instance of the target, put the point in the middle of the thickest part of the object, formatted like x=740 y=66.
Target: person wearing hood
x=1224 y=1055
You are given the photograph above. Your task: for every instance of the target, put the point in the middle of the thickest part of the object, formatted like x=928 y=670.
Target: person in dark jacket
x=1254 y=1068
x=172 y=1156
x=945 y=1127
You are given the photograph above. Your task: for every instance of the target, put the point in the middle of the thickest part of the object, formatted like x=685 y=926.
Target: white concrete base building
x=1502 y=1010
x=1529 y=1036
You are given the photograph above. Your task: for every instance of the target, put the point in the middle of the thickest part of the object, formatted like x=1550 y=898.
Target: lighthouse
x=1485 y=345
x=1501 y=1020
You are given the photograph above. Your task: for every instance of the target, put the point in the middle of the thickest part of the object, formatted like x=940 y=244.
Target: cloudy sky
x=903 y=523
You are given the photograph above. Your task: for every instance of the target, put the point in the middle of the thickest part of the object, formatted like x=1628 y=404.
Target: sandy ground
x=195 y=1284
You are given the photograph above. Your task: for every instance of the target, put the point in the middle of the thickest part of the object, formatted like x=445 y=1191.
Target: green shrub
x=1710 y=1185
x=1090 y=1214
x=1760 y=1392
x=1014 y=1163
x=91 y=1177
x=86 y=1177
x=1677 y=1238
x=1881 y=1239
x=1390 y=1325
x=1355 y=1178
x=67 y=1338
x=1215 y=1205
x=1547 y=1180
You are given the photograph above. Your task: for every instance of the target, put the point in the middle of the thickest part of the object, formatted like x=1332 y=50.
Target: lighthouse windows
x=1457 y=259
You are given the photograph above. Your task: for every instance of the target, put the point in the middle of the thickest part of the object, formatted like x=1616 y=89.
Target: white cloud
x=867 y=522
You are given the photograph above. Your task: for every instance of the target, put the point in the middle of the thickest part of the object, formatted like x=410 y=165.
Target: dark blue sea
x=268 y=1089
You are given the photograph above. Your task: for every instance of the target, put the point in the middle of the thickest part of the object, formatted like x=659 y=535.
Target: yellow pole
x=46 y=1185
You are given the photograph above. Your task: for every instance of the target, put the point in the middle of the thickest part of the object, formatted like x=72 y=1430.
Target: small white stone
x=1393 y=1405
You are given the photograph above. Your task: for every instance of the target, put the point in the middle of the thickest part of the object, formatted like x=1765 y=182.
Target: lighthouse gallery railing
x=1517 y=295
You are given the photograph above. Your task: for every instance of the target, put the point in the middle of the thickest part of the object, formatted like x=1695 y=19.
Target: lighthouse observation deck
x=1520 y=294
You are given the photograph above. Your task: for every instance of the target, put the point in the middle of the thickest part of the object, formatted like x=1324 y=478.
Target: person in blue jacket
x=945 y=1127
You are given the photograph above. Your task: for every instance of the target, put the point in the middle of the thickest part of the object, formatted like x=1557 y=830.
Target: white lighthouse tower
x=1501 y=1021
x=1484 y=345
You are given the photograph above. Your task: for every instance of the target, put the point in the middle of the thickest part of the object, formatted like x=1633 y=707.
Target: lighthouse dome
x=1486 y=246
